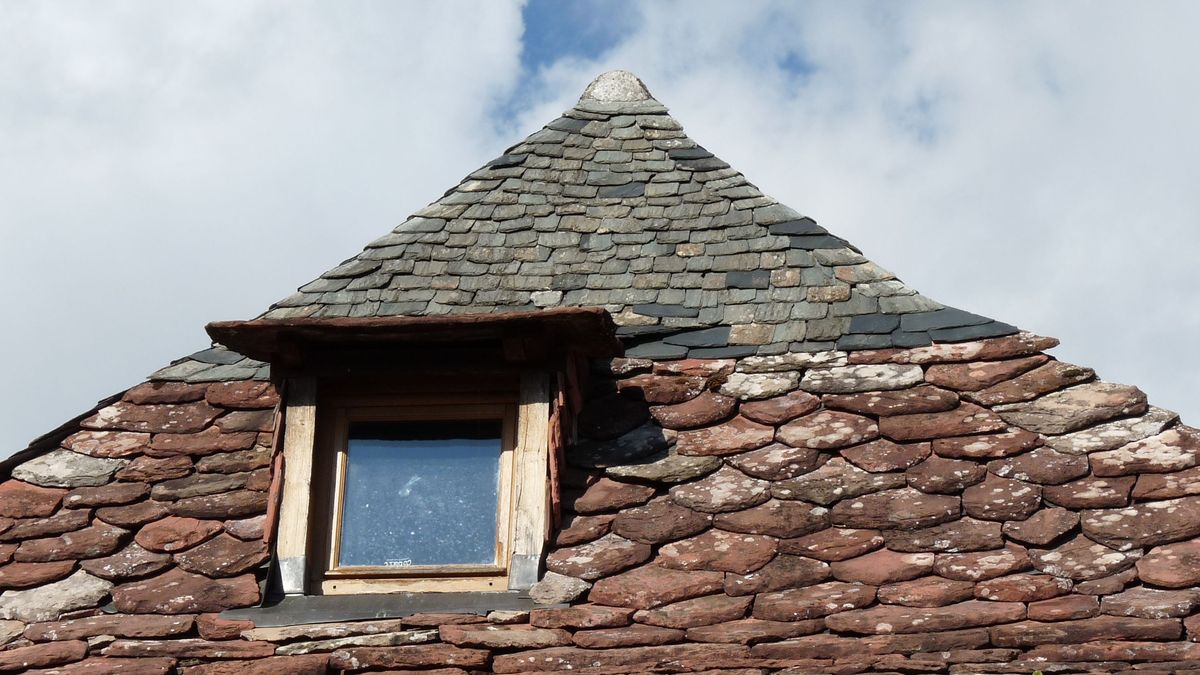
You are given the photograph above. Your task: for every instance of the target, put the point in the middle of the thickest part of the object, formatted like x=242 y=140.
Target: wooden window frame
x=314 y=454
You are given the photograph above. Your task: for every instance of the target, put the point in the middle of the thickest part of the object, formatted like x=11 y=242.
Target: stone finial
x=617 y=86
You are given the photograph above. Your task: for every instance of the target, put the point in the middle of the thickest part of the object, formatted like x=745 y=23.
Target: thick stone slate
x=777 y=461
x=887 y=619
x=726 y=490
x=897 y=509
x=1167 y=485
x=1172 y=566
x=154 y=469
x=1082 y=559
x=883 y=567
x=576 y=529
x=63 y=521
x=629 y=636
x=834 y=543
x=1144 y=524
x=22 y=659
x=67 y=469
x=981 y=374
x=207 y=442
x=1173 y=450
x=105 y=495
x=23 y=500
x=860 y=378
x=1091 y=493
x=1072 y=409
x=629 y=447
x=1001 y=499
x=706 y=408
x=758 y=386
x=1042 y=527
x=107 y=444
x=837 y=479
x=1064 y=608
x=706 y=337
x=133 y=514
x=92 y=542
x=666 y=467
x=237 y=504
x=965 y=420
x=775 y=518
x=235 y=462
x=49 y=601
x=486 y=636
x=248 y=394
x=246 y=420
x=1112 y=435
x=173 y=534
x=610 y=495
x=581 y=616
x=1043 y=466
x=117 y=625
x=603 y=557
x=164 y=418
x=753 y=631
x=662 y=389
x=1150 y=603
x=1003 y=444
x=921 y=399
x=1022 y=588
x=686 y=657
x=926 y=592
x=179 y=592
x=1031 y=633
x=701 y=611
x=222 y=556
x=873 y=324
x=554 y=588
x=959 y=536
x=781 y=409
x=718 y=550
x=772 y=363
x=982 y=565
x=784 y=571
x=27 y=574
x=190 y=648
x=944 y=476
x=659 y=521
x=198 y=485
x=812 y=602
x=827 y=430
x=732 y=437
x=131 y=562
x=1046 y=378
x=882 y=455
x=652 y=586
x=851 y=648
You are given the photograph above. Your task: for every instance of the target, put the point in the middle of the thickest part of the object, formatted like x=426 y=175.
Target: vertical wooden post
x=299 y=439
x=532 y=500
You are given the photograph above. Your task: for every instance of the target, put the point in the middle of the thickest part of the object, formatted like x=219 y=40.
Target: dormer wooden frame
x=307 y=531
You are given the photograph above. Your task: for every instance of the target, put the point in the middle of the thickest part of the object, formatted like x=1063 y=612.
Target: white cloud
x=162 y=166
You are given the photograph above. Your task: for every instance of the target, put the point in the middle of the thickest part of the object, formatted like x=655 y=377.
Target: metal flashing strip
x=306 y=609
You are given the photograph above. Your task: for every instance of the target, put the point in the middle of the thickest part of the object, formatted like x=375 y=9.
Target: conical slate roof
x=613 y=205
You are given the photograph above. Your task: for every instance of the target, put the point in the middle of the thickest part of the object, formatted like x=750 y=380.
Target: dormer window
x=418 y=452
x=417 y=491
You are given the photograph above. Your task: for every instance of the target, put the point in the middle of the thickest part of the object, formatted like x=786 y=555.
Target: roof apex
x=617 y=86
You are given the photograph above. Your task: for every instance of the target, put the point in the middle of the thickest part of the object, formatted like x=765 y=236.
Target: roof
x=612 y=205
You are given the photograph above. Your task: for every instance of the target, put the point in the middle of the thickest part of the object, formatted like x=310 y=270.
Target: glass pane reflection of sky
x=421 y=494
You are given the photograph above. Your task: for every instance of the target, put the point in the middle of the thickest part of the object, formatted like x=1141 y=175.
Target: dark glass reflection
x=421 y=493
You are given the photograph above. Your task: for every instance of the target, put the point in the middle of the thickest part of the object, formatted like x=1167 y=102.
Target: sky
x=167 y=164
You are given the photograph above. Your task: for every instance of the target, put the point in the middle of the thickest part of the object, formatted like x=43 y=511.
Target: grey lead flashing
x=307 y=609
x=523 y=572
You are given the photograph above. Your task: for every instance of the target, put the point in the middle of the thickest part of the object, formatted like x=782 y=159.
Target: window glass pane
x=421 y=493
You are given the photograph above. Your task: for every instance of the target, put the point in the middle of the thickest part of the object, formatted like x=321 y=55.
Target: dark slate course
x=613 y=205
